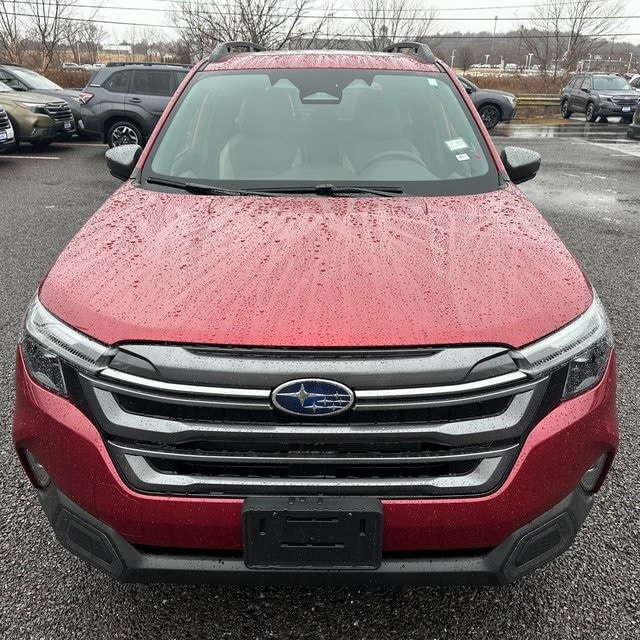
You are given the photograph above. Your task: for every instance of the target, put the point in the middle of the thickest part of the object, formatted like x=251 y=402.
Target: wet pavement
x=610 y=135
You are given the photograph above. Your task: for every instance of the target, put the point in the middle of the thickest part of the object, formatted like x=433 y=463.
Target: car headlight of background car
x=584 y=344
x=47 y=342
x=34 y=107
x=512 y=100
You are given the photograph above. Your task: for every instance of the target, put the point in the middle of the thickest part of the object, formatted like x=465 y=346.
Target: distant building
x=116 y=48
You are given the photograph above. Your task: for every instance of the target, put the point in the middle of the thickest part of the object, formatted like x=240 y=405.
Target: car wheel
x=490 y=115
x=590 y=113
x=124 y=132
x=564 y=109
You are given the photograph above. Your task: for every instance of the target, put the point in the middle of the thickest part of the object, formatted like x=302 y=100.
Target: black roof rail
x=149 y=64
x=419 y=49
x=225 y=48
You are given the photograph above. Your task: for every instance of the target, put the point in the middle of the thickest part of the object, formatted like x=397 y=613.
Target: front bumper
x=44 y=129
x=528 y=548
x=437 y=534
x=608 y=109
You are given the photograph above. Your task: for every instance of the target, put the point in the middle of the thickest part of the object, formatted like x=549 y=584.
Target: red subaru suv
x=319 y=335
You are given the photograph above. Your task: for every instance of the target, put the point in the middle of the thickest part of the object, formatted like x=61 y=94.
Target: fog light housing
x=590 y=479
x=38 y=472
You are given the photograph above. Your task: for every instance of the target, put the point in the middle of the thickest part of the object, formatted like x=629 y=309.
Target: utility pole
x=453 y=57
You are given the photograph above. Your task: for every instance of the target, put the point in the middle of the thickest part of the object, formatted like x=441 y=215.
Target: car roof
x=321 y=59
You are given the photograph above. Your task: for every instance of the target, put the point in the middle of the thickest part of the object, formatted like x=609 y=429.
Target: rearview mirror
x=521 y=164
x=121 y=160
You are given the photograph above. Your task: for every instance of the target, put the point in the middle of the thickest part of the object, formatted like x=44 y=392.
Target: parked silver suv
x=599 y=95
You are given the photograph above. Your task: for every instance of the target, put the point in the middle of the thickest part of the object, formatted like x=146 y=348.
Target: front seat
x=377 y=130
x=266 y=145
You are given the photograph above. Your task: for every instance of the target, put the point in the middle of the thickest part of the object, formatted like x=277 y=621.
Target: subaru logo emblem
x=313 y=397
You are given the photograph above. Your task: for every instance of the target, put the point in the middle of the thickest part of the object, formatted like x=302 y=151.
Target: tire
x=590 y=114
x=564 y=110
x=124 y=132
x=490 y=115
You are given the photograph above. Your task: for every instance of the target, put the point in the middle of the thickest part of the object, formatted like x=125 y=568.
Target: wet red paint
x=554 y=457
x=316 y=271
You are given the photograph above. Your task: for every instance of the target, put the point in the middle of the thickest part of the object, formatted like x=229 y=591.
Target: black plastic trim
x=497 y=566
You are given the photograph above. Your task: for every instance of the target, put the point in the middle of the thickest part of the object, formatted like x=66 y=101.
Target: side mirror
x=521 y=164
x=121 y=160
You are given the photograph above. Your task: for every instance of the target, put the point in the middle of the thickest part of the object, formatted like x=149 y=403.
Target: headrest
x=377 y=116
x=267 y=113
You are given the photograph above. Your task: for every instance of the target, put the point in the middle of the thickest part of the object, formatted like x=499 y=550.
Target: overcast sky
x=453 y=15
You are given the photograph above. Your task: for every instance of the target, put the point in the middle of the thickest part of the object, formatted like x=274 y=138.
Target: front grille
x=625 y=101
x=4 y=119
x=59 y=111
x=454 y=438
x=221 y=415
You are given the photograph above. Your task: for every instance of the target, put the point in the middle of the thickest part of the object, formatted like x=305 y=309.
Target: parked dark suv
x=599 y=95
x=493 y=106
x=123 y=102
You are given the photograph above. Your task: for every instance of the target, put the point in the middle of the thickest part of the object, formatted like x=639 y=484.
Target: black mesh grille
x=4 y=119
x=216 y=415
x=319 y=470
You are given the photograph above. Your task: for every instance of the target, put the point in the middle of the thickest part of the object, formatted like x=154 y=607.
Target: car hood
x=316 y=272
x=621 y=93
x=62 y=94
x=489 y=93
x=31 y=96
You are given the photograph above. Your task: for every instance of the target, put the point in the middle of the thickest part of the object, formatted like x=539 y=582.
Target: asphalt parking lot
x=588 y=188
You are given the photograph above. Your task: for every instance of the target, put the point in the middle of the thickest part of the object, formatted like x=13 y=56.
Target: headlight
x=512 y=100
x=584 y=344
x=47 y=342
x=35 y=107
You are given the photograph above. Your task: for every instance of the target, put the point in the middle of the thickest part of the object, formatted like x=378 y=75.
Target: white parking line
x=14 y=157
x=81 y=144
x=633 y=149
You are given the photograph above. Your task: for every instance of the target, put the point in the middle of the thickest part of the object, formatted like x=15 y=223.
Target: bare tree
x=86 y=39
x=466 y=56
x=566 y=31
x=11 y=31
x=381 y=22
x=273 y=23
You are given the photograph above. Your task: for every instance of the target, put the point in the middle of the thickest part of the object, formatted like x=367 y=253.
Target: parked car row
x=121 y=103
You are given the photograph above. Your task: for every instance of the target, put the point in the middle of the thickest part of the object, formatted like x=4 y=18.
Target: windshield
x=35 y=80
x=610 y=83
x=4 y=87
x=298 y=127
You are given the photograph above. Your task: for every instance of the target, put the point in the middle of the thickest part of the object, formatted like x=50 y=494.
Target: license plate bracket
x=312 y=532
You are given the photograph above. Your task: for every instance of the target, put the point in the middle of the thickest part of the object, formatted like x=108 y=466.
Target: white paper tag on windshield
x=456 y=144
x=462 y=157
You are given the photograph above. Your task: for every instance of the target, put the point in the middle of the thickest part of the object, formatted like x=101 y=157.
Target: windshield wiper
x=336 y=191
x=205 y=189
x=319 y=189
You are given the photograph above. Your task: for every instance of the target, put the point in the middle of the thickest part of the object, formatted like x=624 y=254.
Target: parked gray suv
x=492 y=105
x=123 y=101
x=599 y=95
